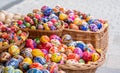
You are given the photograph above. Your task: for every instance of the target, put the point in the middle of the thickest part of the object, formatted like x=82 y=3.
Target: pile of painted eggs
x=7 y=17
x=46 y=19
x=44 y=54
x=79 y=21
x=10 y=35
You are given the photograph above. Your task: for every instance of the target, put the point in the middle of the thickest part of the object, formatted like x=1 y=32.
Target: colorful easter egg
x=56 y=57
x=67 y=37
x=19 y=58
x=5 y=56
x=62 y=16
x=44 y=39
x=81 y=61
x=81 y=45
x=34 y=70
x=14 y=50
x=27 y=53
x=71 y=61
x=55 y=42
x=93 y=27
x=78 y=51
x=40 y=60
x=95 y=57
x=37 y=52
x=45 y=71
x=36 y=65
x=53 y=67
x=28 y=60
x=2 y=69
x=87 y=56
x=24 y=66
x=9 y=69
x=30 y=43
x=18 y=71
x=13 y=62
x=53 y=50
x=73 y=56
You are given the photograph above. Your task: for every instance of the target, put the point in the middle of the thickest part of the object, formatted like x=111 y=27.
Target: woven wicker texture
x=83 y=68
x=99 y=39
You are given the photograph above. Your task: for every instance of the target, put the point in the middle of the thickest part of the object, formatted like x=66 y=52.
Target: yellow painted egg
x=37 y=52
x=14 y=50
x=62 y=16
x=27 y=60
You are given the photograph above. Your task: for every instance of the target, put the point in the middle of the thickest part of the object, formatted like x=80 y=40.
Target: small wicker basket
x=99 y=39
x=83 y=68
x=19 y=43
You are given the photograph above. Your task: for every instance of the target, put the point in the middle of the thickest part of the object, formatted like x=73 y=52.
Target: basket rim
x=78 y=66
x=91 y=32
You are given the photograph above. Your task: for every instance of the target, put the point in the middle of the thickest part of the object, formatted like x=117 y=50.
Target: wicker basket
x=20 y=44
x=99 y=39
x=83 y=68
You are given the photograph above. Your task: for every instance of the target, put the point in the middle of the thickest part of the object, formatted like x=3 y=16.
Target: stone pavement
x=5 y=4
x=104 y=9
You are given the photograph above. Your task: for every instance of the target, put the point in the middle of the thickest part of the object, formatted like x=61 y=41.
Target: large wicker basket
x=99 y=39
x=83 y=68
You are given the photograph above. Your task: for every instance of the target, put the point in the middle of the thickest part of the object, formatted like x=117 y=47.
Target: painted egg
x=33 y=27
x=14 y=50
x=9 y=69
x=40 y=27
x=2 y=69
x=66 y=37
x=93 y=27
x=76 y=21
x=34 y=70
x=55 y=42
x=2 y=17
x=71 y=48
x=27 y=60
x=53 y=50
x=24 y=66
x=18 y=71
x=37 y=40
x=36 y=65
x=95 y=57
x=19 y=58
x=5 y=56
x=55 y=37
x=30 y=43
x=40 y=60
x=81 y=61
x=87 y=56
x=56 y=57
x=73 y=56
x=81 y=45
x=44 y=39
x=13 y=62
x=62 y=16
x=45 y=71
x=78 y=51
x=37 y=52
x=64 y=56
x=53 y=67
x=48 y=57
x=27 y=53
x=71 y=61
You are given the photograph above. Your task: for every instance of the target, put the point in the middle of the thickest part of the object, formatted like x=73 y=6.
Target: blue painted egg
x=40 y=60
